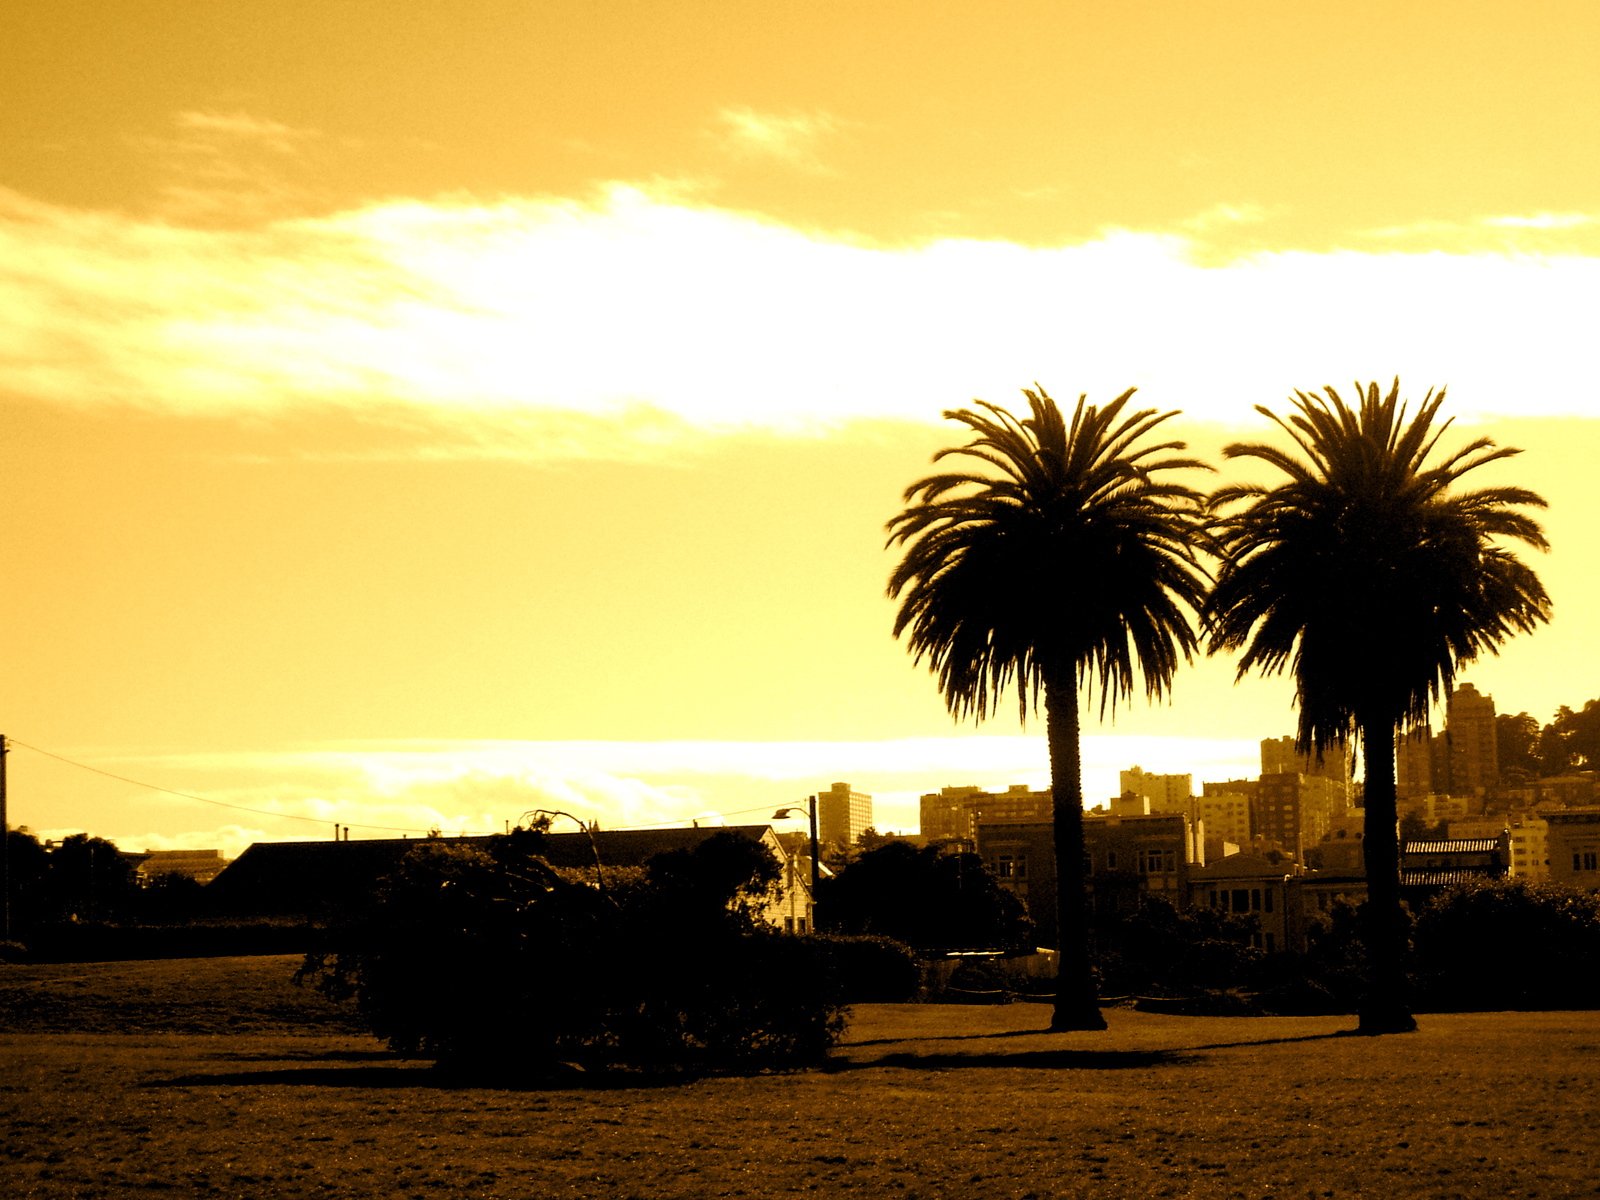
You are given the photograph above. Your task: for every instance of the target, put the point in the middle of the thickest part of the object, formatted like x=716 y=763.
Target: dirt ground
x=920 y=1101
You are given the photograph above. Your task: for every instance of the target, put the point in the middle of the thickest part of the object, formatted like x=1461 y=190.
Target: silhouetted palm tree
x=1370 y=576
x=1058 y=560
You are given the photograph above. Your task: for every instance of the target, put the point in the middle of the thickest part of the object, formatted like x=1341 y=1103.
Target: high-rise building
x=1225 y=817
x=1415 y=762
x=1166 y=793
x=1474 y=761
x=954 y=812
x=946 y=814
x=1280 y=754
x=1295 y=811
x=843 y=815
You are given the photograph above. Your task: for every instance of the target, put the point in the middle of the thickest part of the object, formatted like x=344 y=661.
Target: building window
x=1022 y=866
x=1111 y=860
x=1241 y=901
x=1156 y=862
x=1268 y=899
x=1006 y=867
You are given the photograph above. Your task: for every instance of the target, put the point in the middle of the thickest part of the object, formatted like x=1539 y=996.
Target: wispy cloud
x=230 y=168
x=384 y=788
x=794 y=139
x=627 y=324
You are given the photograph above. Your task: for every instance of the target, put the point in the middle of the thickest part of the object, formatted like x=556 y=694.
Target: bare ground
x=920 y=1101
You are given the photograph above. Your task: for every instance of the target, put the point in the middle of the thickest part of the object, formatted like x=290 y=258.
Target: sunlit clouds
x=408 y=789
x=620 y=324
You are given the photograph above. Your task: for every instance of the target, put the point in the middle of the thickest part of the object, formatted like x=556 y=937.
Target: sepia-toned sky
x=418 y=415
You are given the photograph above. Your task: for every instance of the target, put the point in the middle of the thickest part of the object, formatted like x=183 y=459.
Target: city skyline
x=412 y=421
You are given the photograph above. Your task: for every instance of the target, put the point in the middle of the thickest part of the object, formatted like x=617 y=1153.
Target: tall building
x=1417 y=771
x=946 y=814
x=1166 y=793
x=1225 y=817
x=1469 y=726
x=1279 y=755
x=843 y=815
x=954 y=812
x=1295 y=811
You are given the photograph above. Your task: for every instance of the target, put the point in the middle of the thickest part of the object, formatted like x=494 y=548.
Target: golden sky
x=415 y=415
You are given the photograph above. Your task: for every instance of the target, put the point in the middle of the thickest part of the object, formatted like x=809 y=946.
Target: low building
x=202 y=866
x=1574 y=846
x=1125 y=858
x=1247 y=885
x=1428 y=867
x=324 y=880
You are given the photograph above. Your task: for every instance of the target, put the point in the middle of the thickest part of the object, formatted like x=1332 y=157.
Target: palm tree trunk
x=1384 y=1008
x=1077 y=997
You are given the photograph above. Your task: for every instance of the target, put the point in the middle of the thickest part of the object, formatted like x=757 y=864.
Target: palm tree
x=1371 y=576
x=1058 y=560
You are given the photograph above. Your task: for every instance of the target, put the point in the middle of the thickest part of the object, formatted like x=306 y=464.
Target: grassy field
x=219 y=1078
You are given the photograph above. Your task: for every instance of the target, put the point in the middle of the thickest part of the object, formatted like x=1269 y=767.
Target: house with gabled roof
x=1429 y=866
x=322 y=880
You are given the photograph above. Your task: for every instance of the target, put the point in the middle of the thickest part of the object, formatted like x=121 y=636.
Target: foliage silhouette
x=1061 y=557
x=493 y=962
x=1509 y=943
x=1370 y=576
x=930 y=900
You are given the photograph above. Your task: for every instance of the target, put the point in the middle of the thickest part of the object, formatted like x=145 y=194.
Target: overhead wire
x=265 y=812
x=153 y=787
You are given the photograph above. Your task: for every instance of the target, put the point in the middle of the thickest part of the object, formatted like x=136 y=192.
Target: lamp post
x=587 y=827
x=811 y=811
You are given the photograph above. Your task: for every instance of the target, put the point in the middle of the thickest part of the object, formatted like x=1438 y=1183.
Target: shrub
x=871 y=970
x=1158 y=948
x=929 y=899
x=1509 y=943
x=493 y=962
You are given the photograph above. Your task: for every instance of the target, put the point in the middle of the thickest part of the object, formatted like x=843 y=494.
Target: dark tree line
x=83 y=879
x=1570 y=742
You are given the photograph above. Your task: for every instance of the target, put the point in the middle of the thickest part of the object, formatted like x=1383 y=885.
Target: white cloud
x=620 y=327
x=389 y=788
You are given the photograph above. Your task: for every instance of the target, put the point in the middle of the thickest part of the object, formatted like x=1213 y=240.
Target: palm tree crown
x=1070 y=556
x=1366 y=572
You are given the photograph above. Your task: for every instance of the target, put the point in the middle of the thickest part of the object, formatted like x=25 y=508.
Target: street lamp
x=587 y=827
x=811 y=811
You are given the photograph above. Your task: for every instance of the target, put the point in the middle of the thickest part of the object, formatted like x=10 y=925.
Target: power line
x=260 y=812
x=264 y=812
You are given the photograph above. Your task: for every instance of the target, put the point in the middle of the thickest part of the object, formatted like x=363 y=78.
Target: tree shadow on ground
x=1054 y=1059
x=383 y=1070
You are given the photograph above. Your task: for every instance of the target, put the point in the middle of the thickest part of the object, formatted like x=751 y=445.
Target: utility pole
x=5 y=849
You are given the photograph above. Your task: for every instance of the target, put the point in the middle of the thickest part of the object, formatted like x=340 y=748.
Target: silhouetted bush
x=1160 y=949
x=871 y=970
x=1509 y=944
x=924 y=897
x=495 y=962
